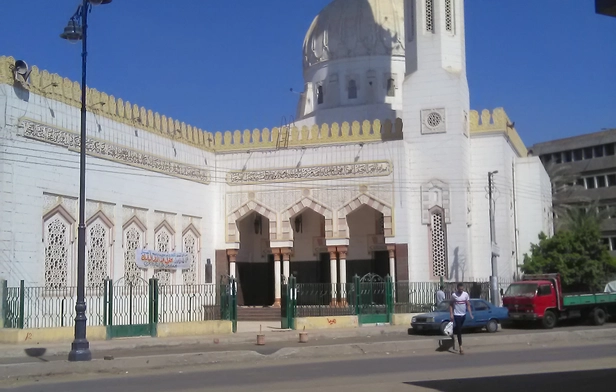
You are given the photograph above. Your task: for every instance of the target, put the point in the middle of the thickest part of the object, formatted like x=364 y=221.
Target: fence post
x=233 y=310
x=110 y=303
x=105 y=287
x=22 y=303
x=153 y=308
x=389 y=298
x=357 y=293
x=4 y=292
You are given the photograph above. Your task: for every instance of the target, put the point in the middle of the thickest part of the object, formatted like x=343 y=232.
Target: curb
x=179 y=361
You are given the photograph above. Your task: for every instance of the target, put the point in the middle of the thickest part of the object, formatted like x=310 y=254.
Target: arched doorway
x=310 y=258
x=367 y=253
x=254 y=262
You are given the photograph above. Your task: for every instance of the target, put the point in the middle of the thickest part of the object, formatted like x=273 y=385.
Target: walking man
x=460 y=303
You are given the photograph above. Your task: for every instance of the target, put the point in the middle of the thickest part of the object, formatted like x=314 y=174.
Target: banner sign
x=159 y=260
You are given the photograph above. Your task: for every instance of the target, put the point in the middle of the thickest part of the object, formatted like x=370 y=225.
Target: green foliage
x=576 y=253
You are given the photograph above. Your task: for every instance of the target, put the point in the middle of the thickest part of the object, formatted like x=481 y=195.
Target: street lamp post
x=493 y=248
x=77 y=29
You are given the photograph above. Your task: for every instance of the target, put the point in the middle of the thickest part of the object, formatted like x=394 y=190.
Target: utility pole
x=494 y=294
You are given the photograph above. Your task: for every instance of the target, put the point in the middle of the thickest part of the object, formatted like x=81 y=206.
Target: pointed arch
x=164 y=225
x=133 y=238
x=301 y=205
x=439 y=265
x=100 y=215
x=369 y=200
x=233 y=234
x=59 y=209
x=137 y=222
x=191 y=228
x=435 y=193
x=99 y=239
x=58 y=240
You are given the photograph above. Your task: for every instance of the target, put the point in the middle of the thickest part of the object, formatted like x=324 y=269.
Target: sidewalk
x=247 y=335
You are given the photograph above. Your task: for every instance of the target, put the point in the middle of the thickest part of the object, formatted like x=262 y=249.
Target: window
x=601 y=183
x=391 y=87
x=590 y=182
x=481 y=306
x=580 y=182
x=578 y=155
x=98 y=254
x=558 y=158
x=568 y=156
x=57 y=252
x=438 y=244
x=611 y=180
x=449 y=16
x=352 y=89
x=609 y=149
x=429 y=8
x=164 y=245
x=320 y=95
x=588 y=153
x=545 y=289
x=133 y=240
x=598 y=151
x=546 y=158
x=189 y=243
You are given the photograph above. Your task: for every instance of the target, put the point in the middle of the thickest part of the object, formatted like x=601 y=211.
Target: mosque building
x=384 y=170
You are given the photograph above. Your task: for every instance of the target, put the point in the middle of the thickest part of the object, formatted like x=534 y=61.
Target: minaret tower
x=436 y=134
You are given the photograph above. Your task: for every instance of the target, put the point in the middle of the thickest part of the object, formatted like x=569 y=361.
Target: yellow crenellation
x=53 y=86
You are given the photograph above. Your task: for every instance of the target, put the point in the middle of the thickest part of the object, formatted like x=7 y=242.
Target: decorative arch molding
x=164 y=225
x=59 y=209
x=306 y=203
x=365 y=199
x=137 y=222
x=435 y=193
x=233 y=234
x=100 y=215
x=191 y=229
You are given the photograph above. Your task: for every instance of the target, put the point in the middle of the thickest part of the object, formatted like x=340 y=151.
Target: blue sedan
x=486 y=315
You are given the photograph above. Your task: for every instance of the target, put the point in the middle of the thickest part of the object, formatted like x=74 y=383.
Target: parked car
x=486 y=315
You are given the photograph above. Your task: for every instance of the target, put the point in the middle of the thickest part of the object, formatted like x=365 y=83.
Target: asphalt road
x=581 y=368
x=272 y=347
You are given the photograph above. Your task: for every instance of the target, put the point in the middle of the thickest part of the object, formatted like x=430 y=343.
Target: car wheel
x=598 y=316
x=492 y=326
x=549 y=319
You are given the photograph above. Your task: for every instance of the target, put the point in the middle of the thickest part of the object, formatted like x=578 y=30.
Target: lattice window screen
x=449 y=19
x=190 y=247
x=429 y=9
x=439 y=245
x=98 y=254
x=132 y=241
x=57 y=250
x=163 y=244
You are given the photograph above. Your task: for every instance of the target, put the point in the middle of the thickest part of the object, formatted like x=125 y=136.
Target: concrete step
x=258 y=314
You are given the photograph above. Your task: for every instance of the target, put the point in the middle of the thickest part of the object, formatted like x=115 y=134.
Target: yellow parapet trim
x=333 y=322
x=497 y=122
x=48 y=335
x=54 y=87
x=198 y=328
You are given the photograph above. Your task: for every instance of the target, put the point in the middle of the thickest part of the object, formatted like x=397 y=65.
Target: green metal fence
x=325 y=299
x=186 y=303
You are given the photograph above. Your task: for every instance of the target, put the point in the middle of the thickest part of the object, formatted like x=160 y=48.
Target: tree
x=576 y=253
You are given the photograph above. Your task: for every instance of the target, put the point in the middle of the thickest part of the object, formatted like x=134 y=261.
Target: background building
x=606 y=7
x=583 y=171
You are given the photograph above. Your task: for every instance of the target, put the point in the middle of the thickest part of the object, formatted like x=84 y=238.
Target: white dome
x=355 y=28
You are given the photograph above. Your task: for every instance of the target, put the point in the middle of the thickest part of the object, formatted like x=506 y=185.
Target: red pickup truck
x=540 y=298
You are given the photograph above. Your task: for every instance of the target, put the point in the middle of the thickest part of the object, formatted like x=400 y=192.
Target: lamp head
x=72 y=32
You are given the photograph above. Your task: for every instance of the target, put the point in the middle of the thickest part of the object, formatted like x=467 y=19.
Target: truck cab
x=535 y=298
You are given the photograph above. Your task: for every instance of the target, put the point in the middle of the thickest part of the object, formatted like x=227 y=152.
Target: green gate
x=228 y=300
x=373 y=299
x=288 y=303
x=131 y=307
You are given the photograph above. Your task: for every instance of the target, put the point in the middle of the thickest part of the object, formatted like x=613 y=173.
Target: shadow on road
x=592 y=380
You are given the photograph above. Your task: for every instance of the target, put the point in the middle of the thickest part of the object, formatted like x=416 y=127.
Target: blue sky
x=225 y=65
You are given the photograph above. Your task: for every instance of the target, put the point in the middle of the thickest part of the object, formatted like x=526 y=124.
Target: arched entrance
x=310 y=258
x=367 y=252
x=254 y=262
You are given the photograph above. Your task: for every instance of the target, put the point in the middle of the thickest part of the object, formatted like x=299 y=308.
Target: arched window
x=352 y=89
x=134 y=235
x=57 y=251
x=190 y=245
x=438 y=243
x=391 y=87
x=320 y=96
x=98 y=261
x=164 y=243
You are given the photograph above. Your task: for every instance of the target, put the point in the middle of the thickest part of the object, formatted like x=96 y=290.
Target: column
x=232 y=253
x=333 y=274
x=342 y=251
x=277 y=296
x=286 y=263
x=392 y=262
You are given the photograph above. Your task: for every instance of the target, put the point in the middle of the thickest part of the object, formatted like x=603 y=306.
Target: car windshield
x=521 y=289
x=443 y=307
